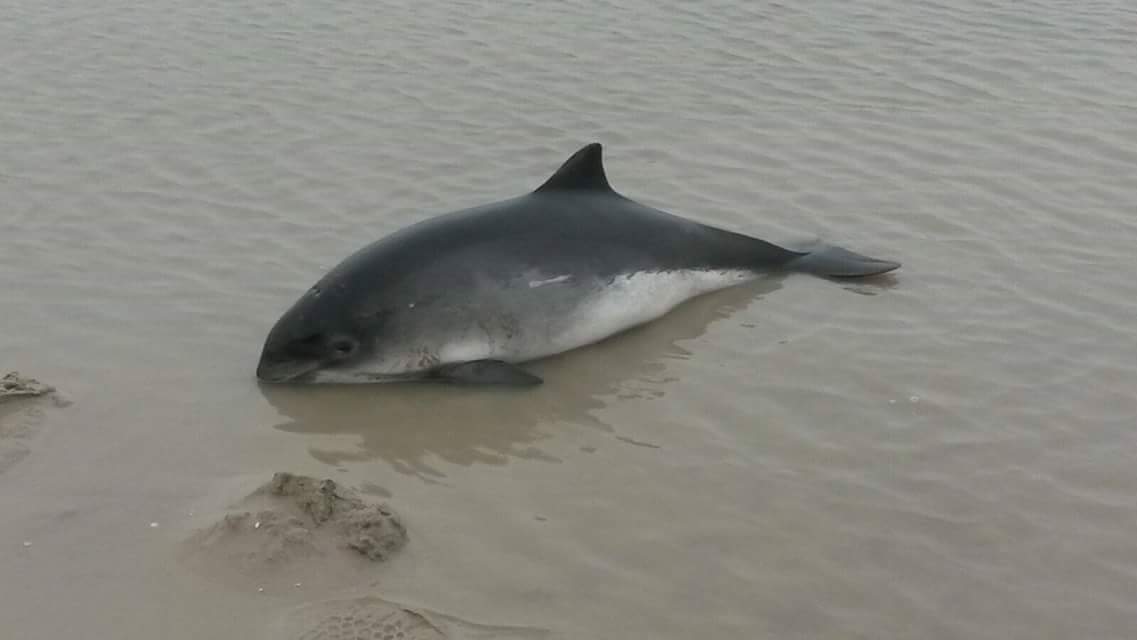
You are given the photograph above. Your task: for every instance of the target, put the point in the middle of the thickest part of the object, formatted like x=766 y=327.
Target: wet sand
x=945 y=453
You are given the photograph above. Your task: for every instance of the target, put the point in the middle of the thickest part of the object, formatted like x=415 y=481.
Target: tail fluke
x=835 y=262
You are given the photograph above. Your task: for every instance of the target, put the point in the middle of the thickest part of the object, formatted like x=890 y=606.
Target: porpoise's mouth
x=284 y=371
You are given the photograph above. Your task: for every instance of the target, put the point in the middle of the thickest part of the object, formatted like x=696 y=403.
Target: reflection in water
x=872 y=286
x=406 y=424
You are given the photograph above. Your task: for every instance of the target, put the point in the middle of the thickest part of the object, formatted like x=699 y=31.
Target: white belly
x=633 y=300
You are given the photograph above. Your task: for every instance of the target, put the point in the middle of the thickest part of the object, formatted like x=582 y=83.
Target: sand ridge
x=375 y=618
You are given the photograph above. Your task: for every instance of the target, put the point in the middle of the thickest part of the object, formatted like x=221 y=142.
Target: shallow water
x=947 y=453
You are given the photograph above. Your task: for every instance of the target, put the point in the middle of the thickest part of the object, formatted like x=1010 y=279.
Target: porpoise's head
x=323 y=331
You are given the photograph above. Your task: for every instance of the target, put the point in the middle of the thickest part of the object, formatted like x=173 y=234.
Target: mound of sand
x=297 y=537
x=300 y=527
x=13 y=385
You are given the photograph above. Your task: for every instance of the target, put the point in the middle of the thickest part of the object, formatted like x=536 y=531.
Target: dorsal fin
x=583 y=171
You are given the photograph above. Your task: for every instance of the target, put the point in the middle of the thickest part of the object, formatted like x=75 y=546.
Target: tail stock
x=836 y=262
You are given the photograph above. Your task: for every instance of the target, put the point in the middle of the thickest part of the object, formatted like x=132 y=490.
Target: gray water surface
x=947 y=453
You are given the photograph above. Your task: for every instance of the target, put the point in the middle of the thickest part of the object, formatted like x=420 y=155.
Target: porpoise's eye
x=343 y=347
